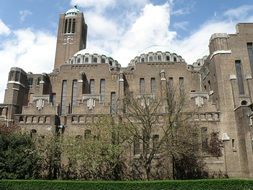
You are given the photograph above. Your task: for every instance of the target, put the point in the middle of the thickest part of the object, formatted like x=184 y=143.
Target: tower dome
x=73 y=11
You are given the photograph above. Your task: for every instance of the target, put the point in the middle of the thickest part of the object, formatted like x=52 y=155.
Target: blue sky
x=123 y=28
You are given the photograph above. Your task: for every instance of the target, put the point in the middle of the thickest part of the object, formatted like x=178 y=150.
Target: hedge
x=229 y=184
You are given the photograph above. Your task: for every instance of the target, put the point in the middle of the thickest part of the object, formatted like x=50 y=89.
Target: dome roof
x=92 y=51
x=157 y=53
x=72 y=11
x=93 y=55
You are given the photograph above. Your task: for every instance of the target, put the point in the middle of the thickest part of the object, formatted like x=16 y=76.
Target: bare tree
x=163 y=126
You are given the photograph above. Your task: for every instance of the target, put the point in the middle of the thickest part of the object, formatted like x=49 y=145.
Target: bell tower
x=71 y=37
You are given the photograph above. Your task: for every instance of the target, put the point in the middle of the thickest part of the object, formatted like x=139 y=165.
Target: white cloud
x=99 y=5
x=240 y=12
x=179 y=12
x=30 y=50
x=181 y=25
x=101 y=27
x=23 y=14
x=150 y=28
x=195 y=46
x=4 y=29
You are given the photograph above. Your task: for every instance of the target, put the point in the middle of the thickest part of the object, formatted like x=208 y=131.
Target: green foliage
x=189 y=167
x=97 y=156
x=129 y=185
x=18 y=157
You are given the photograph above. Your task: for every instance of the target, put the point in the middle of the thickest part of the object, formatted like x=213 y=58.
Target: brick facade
x=85 y=85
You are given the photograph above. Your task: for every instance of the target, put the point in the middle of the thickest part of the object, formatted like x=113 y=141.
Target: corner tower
x=72 y=36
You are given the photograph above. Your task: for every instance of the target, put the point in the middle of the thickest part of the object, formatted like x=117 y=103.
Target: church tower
x=72 y=36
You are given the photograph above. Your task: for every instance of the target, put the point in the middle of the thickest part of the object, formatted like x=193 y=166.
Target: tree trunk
x=173 y=168
x=148 y=171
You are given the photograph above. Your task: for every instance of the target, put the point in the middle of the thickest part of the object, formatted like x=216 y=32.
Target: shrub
x=128 y=185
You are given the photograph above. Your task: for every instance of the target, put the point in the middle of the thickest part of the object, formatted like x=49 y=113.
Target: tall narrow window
x=153 y=86
x=53 y=98
x=233 y=143
x=156 y=143
x=142 y=86
x=30 y=82
x=181 y=85
x=102 y=90
x=69 y=25
x=74 y=26
x=66 y=26
x=170 y=83
x=113 y=102
x=250 y=52
x=137 y=146
x=17 y=76
x=204 y=139
x=74 y=94
x=38 y=81
x=238 y=68
x=11 y=76
x=209 y=85
x=64 y=97
x=92 y=86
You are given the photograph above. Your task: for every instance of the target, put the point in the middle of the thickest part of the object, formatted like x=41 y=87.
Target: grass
x=227 y=184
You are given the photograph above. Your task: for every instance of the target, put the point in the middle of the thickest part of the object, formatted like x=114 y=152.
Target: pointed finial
x=76 y=6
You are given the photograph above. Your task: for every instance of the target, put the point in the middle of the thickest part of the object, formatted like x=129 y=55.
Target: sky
x=123 y=28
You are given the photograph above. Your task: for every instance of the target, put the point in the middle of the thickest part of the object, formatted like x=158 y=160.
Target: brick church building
x=86 y=84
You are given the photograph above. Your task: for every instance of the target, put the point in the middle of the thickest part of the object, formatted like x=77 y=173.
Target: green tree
x=18 y=157
x=98 y=154
x=49 y=149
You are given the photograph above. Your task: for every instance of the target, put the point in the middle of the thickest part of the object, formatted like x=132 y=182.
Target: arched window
x=95 y=59
x=86 y=60
x=33 y=133
x=103 y=60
